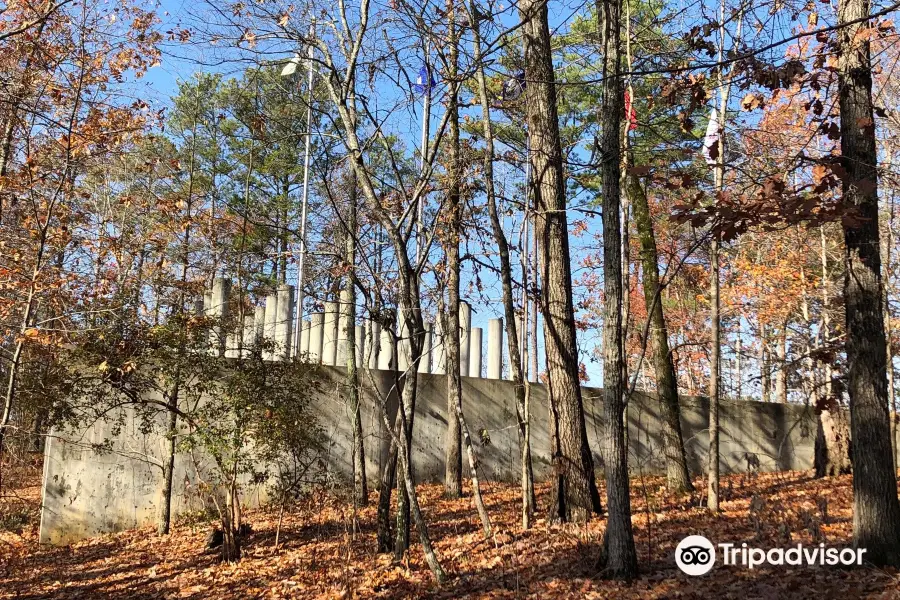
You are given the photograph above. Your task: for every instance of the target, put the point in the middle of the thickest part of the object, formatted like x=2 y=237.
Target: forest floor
x=319 y=554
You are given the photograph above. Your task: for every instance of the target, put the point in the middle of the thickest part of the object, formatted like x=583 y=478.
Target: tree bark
x=164 y=519
x=712 y=488
x=618 y=557
x=677 y=474
x=452 y=443
x=360 y=485
x=781 y=374
x=574 y=489
x=876 y=511
x=832 y=449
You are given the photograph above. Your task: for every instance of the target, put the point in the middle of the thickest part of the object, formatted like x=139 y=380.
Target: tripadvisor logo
x=696 y=555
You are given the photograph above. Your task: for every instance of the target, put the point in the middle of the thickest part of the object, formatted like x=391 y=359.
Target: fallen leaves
x=327 y=551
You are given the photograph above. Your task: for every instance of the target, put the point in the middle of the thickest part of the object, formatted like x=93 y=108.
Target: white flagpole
x=298 y=327
x=426 y=127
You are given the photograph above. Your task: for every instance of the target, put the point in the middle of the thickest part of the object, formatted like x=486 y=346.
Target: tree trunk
x=712 y=488
x=887 y=244
x=876 y=511
x=360 y=485
x=738 y=360
x=406 y=415
x=574 y=493
x=509 y=312
x=231 y=541
x=765 y=368
x=473 y=470
x=452 y=444
x=385 y=533
x=164 y=520
x=618 y=557
x=677 y=474
x=781 y=373
x=410 y=488
x=832 y=449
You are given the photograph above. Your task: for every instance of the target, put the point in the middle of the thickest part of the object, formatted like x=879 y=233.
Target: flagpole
x=426 y=126
x=298 y=327
x=523 y=351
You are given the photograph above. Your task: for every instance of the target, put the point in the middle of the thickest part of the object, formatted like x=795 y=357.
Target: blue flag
x=425 y=82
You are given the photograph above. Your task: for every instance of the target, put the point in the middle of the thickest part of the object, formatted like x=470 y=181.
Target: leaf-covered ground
x=322 y=553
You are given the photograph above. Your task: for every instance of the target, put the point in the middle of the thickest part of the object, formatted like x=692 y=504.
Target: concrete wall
x=87 y=492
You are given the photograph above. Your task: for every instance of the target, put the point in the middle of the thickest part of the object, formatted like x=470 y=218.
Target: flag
x=630 y=112
x=291 y=67
x=513 y=87
x=424 y=82
x=711 y=140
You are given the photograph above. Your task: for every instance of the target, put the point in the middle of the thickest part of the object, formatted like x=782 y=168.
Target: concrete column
x=316 y=335
x=475 y=352
x=438 y=351
x=269 y=329
x=249 y=335
x=259 y=325
x=386 y=353
x=495 y=349
x=425 y=362
x=465 y=326
x=219 y=313
x=523 y=339
x=360 y=336
x=330 y=334
x=402 y=342
x=304 y=341
x=232 y=345
x=372 y=351
x=284 y=325
x=344 y=321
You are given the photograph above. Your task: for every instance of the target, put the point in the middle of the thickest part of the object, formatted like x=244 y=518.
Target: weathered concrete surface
x=88 y=492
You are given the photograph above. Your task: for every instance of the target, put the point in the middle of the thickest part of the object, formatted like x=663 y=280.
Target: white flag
x=712 y=139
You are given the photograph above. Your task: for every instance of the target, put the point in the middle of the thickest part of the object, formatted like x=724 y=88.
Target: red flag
x=630 y=112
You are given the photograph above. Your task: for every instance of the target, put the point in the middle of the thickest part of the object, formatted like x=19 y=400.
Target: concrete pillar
x=219 y=313
x=372 y=350
x=284 y=324
x=269 y=329
x=495 y=349
x=259 y=325
x=438 y=351
x=249 y=336
x=402 y=342
x=330 y=334
x=344 y=321
x=386 y=354
x=316 y=335
x=304 y=339
x=475 y=352
x=425 y=361
x=523 y=339
x=233 y=345
x=465 y=326
x=360 y=336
